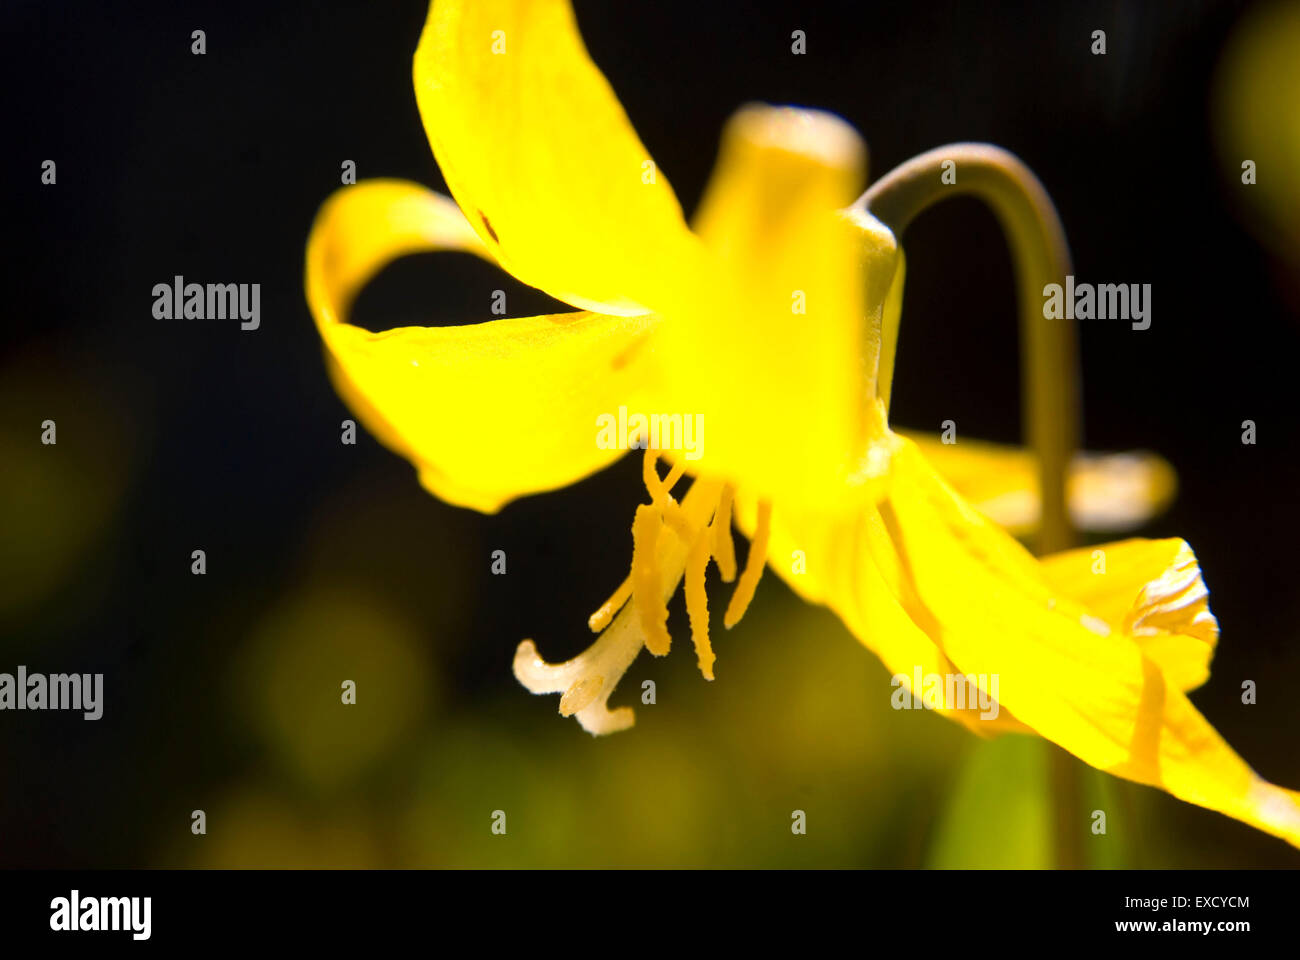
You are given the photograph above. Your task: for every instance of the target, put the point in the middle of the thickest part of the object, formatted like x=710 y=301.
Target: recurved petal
x=540 y=155
x=487 y=412
x=1168 y=614
x=1063 y=670
x=1108 y=492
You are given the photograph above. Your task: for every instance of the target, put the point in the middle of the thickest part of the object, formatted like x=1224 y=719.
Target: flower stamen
x=724 y=548
x=673 y=514
x=636 y=614
x=587 y=680
x=658 y=489
x=753 y=567
x=651 y=606
x=599 y=620
x=697 y=602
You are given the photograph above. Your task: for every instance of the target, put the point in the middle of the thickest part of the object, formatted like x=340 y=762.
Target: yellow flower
x=773 y=319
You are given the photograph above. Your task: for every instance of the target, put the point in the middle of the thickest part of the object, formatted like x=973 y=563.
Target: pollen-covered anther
x=749 y=578
x=697 y=603
x=724 y=547
x=647 y=599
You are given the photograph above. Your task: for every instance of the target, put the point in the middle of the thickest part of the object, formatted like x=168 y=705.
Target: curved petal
x=538 y=152
x=1063 y=670
x=1108 y=492
x=930 y=585
x=1169 y=616
x=486 y=413
x=832 y=555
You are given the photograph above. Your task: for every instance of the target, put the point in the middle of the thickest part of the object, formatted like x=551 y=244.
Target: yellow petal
x=836 y=570
x=487 y=412
x=1062 y=669
x=1108 y=492
x=541 y=157
x=768 y=347
x=1169 y=616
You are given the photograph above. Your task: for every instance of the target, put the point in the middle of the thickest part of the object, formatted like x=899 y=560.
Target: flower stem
x=1049 y=372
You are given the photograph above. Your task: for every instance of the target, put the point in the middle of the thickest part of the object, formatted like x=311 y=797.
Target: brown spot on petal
x=621 y=359
x=487 y=225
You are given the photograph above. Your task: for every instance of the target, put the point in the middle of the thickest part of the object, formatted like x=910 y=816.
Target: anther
x=753 y=568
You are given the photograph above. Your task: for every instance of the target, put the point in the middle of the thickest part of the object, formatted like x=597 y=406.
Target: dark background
x=183 y=434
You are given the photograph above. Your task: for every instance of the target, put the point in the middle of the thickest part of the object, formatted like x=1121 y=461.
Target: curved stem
x=1049 y=368
x=1049 y=371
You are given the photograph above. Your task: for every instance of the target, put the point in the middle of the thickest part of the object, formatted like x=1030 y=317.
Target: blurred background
x=328 y=562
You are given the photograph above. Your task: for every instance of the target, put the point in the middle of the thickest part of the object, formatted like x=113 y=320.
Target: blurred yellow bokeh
x=1256 y=111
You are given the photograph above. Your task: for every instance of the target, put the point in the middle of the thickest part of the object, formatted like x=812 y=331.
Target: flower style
x=552 y=184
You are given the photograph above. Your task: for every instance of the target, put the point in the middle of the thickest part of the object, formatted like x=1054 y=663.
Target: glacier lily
x=551 y=183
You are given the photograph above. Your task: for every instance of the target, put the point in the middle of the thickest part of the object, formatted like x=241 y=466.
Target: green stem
x=1049 y=366
x=1049 y=369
